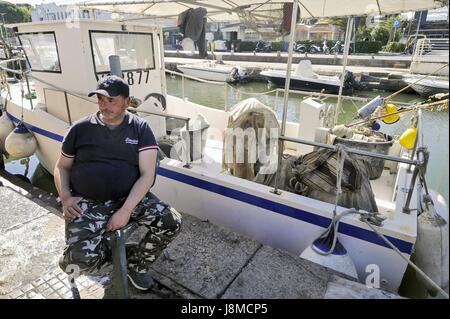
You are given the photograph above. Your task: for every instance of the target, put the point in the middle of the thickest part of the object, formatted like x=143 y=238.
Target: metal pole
x=182 y=87
x=341 y=86
x=417 y=32
x=114 y=65
x=3 y=26
x=188 y=146
x=286 y=90
x=29 y=90
x=120 y=282
x=226 y=98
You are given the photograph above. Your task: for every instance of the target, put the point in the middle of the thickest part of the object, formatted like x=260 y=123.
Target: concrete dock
x=205 y=261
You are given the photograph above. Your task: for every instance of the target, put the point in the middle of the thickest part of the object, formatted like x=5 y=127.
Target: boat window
x=134 y=49
x=41 y=51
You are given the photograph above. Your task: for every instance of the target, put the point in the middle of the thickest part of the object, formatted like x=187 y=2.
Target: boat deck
x=383 y=187
x=16 y=95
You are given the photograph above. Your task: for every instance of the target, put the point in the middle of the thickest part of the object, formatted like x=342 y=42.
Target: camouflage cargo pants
x=87 y=247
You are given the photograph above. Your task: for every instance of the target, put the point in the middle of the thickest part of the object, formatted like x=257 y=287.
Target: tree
x=380 y=33
x=342 y=22
x=15 y=13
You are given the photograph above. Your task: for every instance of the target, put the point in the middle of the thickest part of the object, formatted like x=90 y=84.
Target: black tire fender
x=161 y=98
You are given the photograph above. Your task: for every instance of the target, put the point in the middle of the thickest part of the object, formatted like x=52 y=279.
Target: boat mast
x=289 y=66
x=344 y=66
x=286 y=88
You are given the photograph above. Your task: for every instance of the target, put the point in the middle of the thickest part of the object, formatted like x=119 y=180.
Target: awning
x=229 y=10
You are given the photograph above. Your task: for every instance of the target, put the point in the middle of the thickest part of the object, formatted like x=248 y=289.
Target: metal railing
x=183 y=85
x=430 y=47
x=178 y=117
x=418 y=164
x=21 y=73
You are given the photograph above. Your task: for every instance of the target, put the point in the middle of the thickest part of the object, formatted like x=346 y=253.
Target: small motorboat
x=215 y=71
x=304 y=79
x=428 y=86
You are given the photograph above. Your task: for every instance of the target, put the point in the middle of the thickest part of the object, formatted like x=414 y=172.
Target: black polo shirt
x=106 y=161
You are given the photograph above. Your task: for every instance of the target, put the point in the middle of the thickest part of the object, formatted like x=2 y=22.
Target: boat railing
x=172 y=116
x=183 y=86
x=277 y=91
x=418 y=162
x=20 y=72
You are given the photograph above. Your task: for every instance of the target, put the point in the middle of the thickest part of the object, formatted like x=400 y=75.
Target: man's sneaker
x=141 y=281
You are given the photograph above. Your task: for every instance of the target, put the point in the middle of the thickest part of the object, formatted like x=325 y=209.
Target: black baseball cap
x=111 y=86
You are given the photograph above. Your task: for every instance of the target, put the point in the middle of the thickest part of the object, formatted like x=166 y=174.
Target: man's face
x=112 y=109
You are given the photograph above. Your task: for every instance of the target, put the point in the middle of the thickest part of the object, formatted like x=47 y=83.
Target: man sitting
x=103 y=175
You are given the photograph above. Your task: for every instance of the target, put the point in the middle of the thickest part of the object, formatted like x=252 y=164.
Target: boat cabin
x=74 y=56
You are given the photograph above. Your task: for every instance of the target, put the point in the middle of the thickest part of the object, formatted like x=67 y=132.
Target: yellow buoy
x=390 y=119
x=408 y=138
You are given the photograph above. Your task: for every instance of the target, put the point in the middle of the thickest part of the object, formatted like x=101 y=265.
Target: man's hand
x=118 y=220
x=71 y=210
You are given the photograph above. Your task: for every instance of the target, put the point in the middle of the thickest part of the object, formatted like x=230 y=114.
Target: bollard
x=117 y=241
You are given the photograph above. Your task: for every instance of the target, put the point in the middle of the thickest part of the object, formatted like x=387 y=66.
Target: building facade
x=54 y=12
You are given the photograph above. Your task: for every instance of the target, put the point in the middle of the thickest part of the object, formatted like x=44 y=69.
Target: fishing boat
x=304 y=79
x=428 y=86
x=198 y=184
x=215 y=71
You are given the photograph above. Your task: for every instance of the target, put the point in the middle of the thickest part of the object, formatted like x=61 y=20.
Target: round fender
x=161 y=98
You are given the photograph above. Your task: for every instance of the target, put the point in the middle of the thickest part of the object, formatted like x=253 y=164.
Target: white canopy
x=231 y=10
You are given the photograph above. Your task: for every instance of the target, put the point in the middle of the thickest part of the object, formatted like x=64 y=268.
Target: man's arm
x=61 y=174
x=147 y=166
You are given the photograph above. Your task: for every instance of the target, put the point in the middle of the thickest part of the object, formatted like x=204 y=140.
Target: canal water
x=435 y=133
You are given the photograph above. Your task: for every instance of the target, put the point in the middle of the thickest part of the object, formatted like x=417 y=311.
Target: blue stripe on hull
x=38 y=130
x=347 y=229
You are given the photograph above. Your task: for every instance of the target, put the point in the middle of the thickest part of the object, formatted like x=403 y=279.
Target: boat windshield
x=41 y=51
x=134 y=49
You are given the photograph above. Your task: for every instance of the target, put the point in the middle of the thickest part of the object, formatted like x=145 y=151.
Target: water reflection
x=30 y=170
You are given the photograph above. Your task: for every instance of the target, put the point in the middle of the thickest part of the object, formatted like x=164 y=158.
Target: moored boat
x=428 y=86
x=304 y=79
x=214 y=71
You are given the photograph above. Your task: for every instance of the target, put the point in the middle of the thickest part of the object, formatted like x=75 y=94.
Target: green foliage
x=381 y=34
x=395 y=47
x=363 y=33
x=15 y=13
x=368 y=46
x=246 y=46
x=276 y=46
x=342 y=22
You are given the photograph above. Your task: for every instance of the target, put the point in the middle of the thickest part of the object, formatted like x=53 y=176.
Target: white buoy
x=6 y=127
x=338 y=259
x=431 y=248
x=20 y=142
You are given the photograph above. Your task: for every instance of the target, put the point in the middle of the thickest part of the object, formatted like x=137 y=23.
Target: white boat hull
x=206 y=74
x=428 y=86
